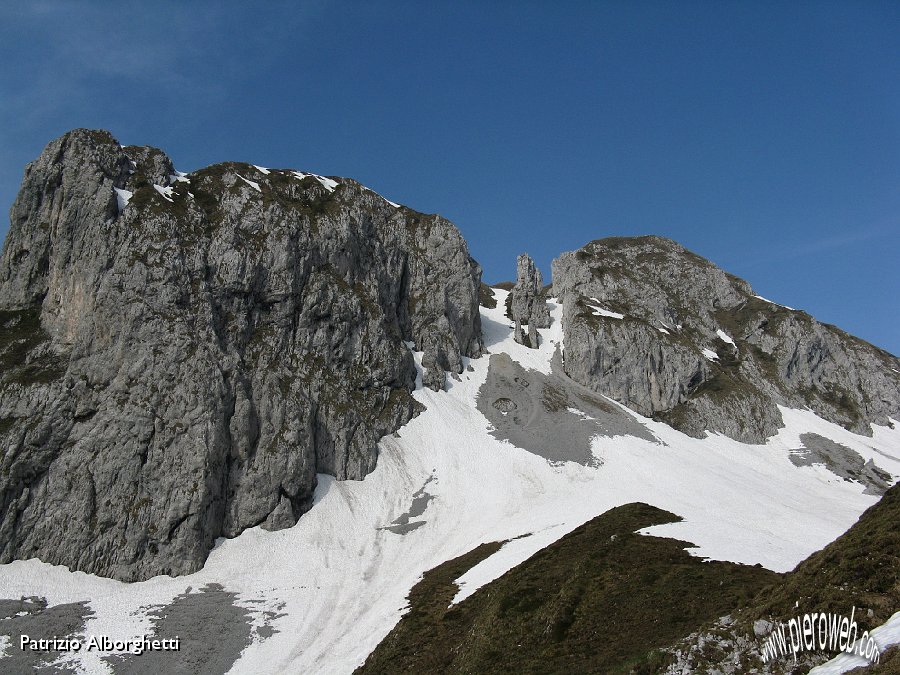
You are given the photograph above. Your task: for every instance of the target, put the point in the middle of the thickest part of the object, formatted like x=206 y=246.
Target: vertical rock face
x=528 y=304
x=180 y=355
x=671 y=335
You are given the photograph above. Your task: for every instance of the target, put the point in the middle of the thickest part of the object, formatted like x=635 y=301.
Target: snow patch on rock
x=123 y=197
x=251 y=183
x=759 y=297
x=725 y=337
x=600 y=311
x=166 y=192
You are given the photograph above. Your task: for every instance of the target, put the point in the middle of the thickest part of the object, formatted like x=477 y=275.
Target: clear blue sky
x=764 y=136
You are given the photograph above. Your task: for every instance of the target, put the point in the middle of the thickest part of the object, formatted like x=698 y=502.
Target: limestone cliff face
x=180 y=355
x=671 y=335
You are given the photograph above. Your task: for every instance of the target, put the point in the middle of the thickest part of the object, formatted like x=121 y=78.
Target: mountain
x=272 y=413
x=671 y=335
x=182 y=354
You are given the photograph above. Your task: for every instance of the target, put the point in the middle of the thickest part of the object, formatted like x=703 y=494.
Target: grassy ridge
x=600 y=600
x=606 y=600
x=860 y=569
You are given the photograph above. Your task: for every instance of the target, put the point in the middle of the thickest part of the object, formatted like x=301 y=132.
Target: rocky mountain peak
x=671 y=335
x=182 y=353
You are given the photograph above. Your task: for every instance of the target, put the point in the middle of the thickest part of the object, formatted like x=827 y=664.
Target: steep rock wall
x=181 y=354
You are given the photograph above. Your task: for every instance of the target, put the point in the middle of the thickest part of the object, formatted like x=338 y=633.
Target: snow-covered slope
x=333 y=586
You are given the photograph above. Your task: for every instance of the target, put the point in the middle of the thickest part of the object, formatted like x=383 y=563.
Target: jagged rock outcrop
x=528 y=305
x=671 y=335
x=180 y=355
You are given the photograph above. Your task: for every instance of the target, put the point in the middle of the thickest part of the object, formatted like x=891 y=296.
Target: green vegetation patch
x=6 y=423
x=101 y=137
x=42 y=371
x=429 y=620
x=20 y=333
x=486 y=297
x=837 y=398
x=603 y=599
x=149 y=201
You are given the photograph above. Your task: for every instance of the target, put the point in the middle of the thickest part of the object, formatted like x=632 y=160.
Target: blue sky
x=763 y=136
